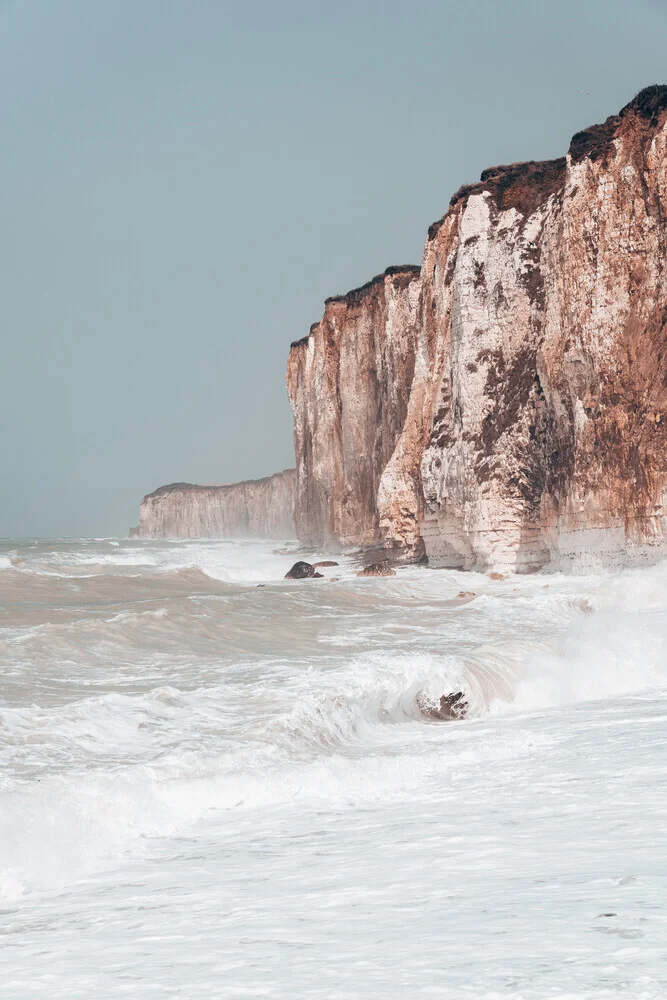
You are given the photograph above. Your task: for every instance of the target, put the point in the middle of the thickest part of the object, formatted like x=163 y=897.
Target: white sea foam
x=194 y=768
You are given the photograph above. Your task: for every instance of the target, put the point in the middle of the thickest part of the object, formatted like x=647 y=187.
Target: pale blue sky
x=183 y=183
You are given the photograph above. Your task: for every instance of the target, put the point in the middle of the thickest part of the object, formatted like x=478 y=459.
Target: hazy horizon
x=184 y=184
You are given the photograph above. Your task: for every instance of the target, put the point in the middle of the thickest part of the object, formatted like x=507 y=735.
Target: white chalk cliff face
x=349 y=385
x=529 y=425
x=260 y=508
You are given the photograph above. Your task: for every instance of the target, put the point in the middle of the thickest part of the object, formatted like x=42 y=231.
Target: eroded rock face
x=533 y=408
x=260 y=508
x=349 y=384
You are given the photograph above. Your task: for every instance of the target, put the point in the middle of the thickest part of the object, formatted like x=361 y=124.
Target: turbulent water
x=216 y=783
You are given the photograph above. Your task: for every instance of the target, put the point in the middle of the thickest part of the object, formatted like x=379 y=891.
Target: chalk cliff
x=349 y=384
x=260 y=508
x=505 y=405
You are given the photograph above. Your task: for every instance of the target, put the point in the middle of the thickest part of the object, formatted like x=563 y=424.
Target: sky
x=183 y=183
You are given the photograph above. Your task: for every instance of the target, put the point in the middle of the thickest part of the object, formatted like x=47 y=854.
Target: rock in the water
x=325 y=562
x=466 y=595
x=377 y=569
x=302 y=571
x=451 y=707
x=497 y=576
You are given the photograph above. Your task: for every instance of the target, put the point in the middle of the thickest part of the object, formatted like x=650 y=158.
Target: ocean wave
x=129 y=767
x=139 y=703
x=155 y=765
x=227 y=561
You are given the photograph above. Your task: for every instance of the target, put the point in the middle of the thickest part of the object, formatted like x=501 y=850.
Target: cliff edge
x=504 y=405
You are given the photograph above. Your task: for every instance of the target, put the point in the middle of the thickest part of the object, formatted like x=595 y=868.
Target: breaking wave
x=166 y=688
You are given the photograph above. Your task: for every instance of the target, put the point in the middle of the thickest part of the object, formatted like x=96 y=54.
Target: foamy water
x=216 y=783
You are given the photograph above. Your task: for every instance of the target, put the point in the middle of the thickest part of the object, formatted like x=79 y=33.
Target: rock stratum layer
x=349 y=385
x=504 y=404
x=259 y=508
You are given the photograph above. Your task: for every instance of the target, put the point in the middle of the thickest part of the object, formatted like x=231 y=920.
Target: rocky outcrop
x=377 y=569
x=451 y=707
x=260 y=508
x=506 y=405
x=349 y=385
x=302 y=571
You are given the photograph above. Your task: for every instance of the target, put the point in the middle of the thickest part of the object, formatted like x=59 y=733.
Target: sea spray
x=177 y=741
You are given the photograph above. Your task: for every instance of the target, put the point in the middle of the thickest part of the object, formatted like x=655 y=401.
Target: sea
x=217 y=783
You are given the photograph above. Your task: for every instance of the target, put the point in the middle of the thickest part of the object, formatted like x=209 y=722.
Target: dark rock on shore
x=377 y=569
x=302 y=571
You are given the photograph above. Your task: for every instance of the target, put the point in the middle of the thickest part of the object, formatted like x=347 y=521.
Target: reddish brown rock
x=349 y=384
x=325 y=563
x=509 y=404
x=542 y=449
x=377 y=569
